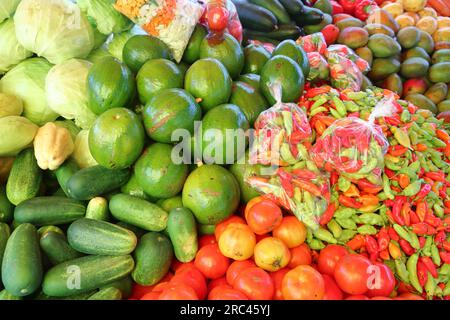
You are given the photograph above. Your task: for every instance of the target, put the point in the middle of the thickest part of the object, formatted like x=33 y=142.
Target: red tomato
x=328 y=257
x=226 y=293
x=264 y=216
x=351 y=274
x=300 y=255
x=255 y=283
x=291 y=231
x=178 y=292
x=217 y=282
x=151 y=296
x=193 y=278
x=357 y=297
x=277 y=278
x=139 y=290
x=211 y=262
x=220 y=227
x=235 y=29
x=408 y=296
x=236 y=267
x=303 y=283
x=332 y=290
x=251 y=203
x=380 y=298
x=206 y=239
x=217 y=18
x=382 y=281
x=178 y=266
x=260 y=237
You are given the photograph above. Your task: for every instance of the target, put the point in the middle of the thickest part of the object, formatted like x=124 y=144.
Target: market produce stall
x=224 y=150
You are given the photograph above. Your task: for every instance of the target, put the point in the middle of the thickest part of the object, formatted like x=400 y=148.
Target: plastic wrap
x=348 y=53
x=313 y=43
x=344 y=74
x=319 y=67
x=233 y=26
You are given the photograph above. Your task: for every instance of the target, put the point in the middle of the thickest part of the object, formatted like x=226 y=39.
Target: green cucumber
x=310 y=16
x=138 y=212
x=182 y=230
x=5 y=295
x=97 y=209
x=153 y=257
x=43 y=211
x=171 y=203
x=81 y=296
x=136 y=230
x=247 y=34
x=84 y=274
x=43 y=230
x=255 y=17
x=6 y=207
x=22 y=264
x=5 y=232
x=25 y=178
x=65 y=172
x=110 y=293
x=293 y=7
x=276 y=8
x=95 y=181
x=133 y=188
x=56 y=248
x=283 y=32
x=100 y=237
x=125 y=285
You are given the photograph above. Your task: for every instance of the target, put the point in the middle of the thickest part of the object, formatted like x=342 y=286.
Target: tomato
x=263 y=217
x=351 y=274
x=260 y=237
x=211 y=262
x=328 y=257
x=151 y=296
x=139 y=291
x=220 y=227
x=332 y=291
x=277 y=278
x=217 y=18
x=226 y=293
x=357 y=297
x=236 y=267
x=271 y=254
x=291 y=231
x=160 y=287
x=300 y=255
x=205 y=240
x=235 y=29
x=217 y=282
x=251 y=203
x=382 y=282
x=178 y=292
x=177 y=265
x=404 y=288
x=237 y=241
x=255 y=283
x=303 y=283
x=380 y=298
x=192 y=277
x=408 y=296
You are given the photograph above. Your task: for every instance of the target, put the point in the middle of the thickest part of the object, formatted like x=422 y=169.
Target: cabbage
x=106 y=18
x=54 y=29
x=7 y=8
x=66 y=91
x=117 y=41
x=10 y=105
x=81 y=153
x=27 y=82
x=11 y=52
x=17 y=134
x=98 y=54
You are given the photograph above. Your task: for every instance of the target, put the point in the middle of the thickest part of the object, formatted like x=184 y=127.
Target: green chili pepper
x=335 y=228
x=444 y=270
x=367 y=229
x=406 y=116
x=382 y=196
x=402 y=272
x=317 y=110
x=435 y=255
x=309 y=235
x=299 y=165
x=394 y=183
x=356 y=95
x=438 y=210
x=347 y=223
x=402 y=232
x=335 y=114
x=372 y=164
x=319 y=102
x=286 y=154
x=287 y=121
x=387 y=187
x=414 y=242
x=343 y=184
x=316 y=244
x=391 y=166
x=351 y=106
x=446 y=291
x=413 y=137
x=426 y=250
x=324 y=235
x=438 y=143
x=371 y=219
x=412 y=189
x=414 y=166
x=340 y=107
x=430 y=286
x=347 y=235
x=411 y=266
x=344 y=213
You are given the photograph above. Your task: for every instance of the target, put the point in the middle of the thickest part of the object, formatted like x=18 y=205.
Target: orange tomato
x=236 y=267
x=263 y=217
x=291 y=231
x=251 y=203
x=211 y=262
x=255 y=283
x=160 y=287
x=178 y=292
x=192 y=277
x=300 y=255
x=151 y=296
x=226 y=293
x=271 y=254
x=357 y=297
x=237 y=241
x=220 y=227
x=277 y=278
x=303 y=283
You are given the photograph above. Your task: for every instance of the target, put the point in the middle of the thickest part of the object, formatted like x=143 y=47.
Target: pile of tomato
x=261 y=254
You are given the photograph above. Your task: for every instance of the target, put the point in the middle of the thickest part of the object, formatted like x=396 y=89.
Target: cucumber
x=153 y=257
x=255 y=17
x=22 y=264
x=5 y=232
x=65 y=172
x=133 y=188
x=182 y=230
x=125 y=285
x=276 y=8
x=247 y=34
x=110 y=293
x=136 y=230
x=81 y=296
x=56 y=248
x=293 y=7
x=283 y=32
x=43 y=211
x=95 y=181
x=84 y=274
x=5 y=295
x=310 y=16
x=45 y=229
x=25 y=178
x=138 y=212
x=171 y=203
x=59 y=193
x=97 y=209
x=100 y=237
x=6 y=207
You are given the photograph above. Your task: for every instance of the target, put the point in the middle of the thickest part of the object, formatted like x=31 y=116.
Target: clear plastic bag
x=280 y=133
x=344 y=73
x=348 y=53
x=313 y=43
x=355 y=148
x=319 y=67
x=220 y=9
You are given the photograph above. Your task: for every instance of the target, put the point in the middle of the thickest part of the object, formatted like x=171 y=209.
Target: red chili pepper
x=328 y=214
x=414 y=217
x=371 y=244
x=311 y=93
x=349 y=202
x=445 y=256
x=334 y=177
x=397 y=150
x=348 y=6
x=304 y=174
x=446 y=246
x=366 y=186
x=356 y=243
x=405 y=213
x=424 y=190
x=388 y=202
x=429 y=264
x=393 y=234
x=422 y=273
x=384 y=254
x=421 y=209
x=422 y=241
x=307 y=186
x=390 y=174
x=440 y=237
x=396 y=209
x=406 y=247
x=383 y=239
x=374 y=256
x=420 y=228
x=393 y=121
x=287 y=186
x=432 y=220
x=436 y=176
